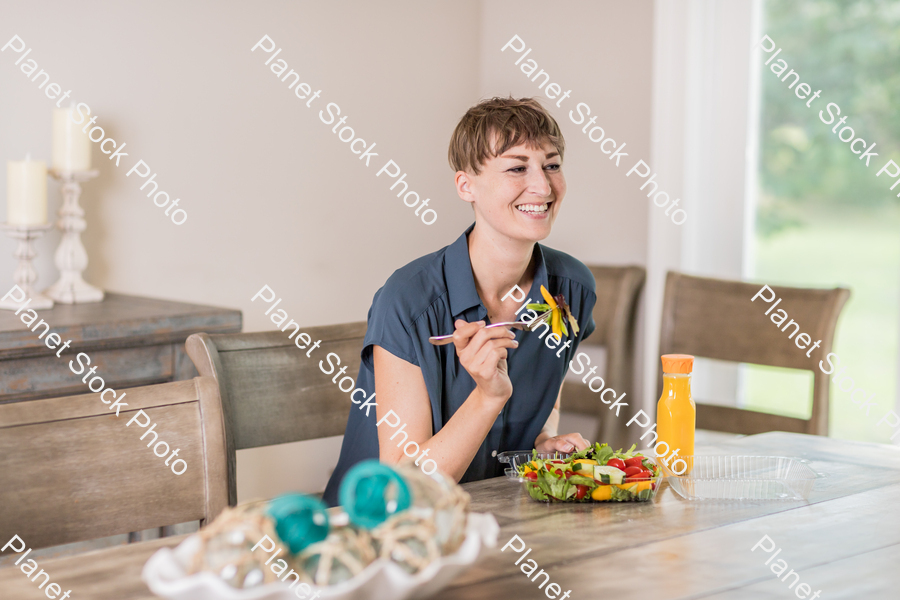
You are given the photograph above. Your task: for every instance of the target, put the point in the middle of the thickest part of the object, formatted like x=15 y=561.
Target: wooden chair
x=72 y=471
x=618 y=289
x=714 y=318
x=272 y=393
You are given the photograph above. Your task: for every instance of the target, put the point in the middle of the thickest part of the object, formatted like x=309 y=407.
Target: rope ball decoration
x=395 y=513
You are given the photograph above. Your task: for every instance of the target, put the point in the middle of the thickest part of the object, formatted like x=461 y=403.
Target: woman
x=493 y=389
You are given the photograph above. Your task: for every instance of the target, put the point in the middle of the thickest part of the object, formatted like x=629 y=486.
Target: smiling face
x=518 y=193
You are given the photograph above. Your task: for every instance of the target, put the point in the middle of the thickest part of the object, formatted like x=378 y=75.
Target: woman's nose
x=539 y=183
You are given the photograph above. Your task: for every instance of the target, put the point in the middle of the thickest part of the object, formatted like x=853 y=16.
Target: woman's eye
x=553 y=167
x=517 y=170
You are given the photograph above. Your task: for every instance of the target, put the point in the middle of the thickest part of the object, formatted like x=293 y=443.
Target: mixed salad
x=596 y=473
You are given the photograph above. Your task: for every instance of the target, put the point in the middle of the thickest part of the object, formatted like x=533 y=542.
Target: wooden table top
x=844 y=541
x=117 y=320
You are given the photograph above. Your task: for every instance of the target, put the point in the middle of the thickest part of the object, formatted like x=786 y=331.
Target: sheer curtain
x=704 y=150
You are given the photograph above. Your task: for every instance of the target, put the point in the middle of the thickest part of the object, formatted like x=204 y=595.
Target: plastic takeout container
x=715 y=477
x=516 y=459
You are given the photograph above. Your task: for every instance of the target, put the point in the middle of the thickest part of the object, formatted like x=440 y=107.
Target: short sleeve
x=388 y=327
x=586 y=317
x=571 y=277
x=589 y=326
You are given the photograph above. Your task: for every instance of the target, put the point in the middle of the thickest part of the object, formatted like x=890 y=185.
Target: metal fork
x=441 y=340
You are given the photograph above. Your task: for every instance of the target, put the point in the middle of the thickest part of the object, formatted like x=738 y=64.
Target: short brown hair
x=522 y=121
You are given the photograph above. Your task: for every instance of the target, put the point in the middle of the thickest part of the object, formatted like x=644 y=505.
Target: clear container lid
x=716 y=477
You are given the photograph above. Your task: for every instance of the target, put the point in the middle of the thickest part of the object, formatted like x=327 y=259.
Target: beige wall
x=272 y=196
x=602 y=52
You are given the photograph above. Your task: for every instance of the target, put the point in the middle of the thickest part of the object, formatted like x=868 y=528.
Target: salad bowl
x=596 y=474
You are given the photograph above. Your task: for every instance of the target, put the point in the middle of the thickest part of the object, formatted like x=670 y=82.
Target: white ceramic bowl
x=165 y=574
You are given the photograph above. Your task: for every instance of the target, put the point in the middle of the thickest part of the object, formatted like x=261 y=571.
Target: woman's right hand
x=482 y=352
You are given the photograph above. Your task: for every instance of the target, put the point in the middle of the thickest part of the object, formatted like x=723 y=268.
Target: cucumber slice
x=584 y=468
x=613 y=475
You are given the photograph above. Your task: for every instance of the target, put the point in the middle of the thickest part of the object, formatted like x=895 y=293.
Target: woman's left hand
x=568 y=442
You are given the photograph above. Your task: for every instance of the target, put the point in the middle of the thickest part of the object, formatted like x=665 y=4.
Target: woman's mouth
x=534 y=209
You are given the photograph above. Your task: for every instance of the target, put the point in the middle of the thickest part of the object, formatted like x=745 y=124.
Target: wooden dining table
x=844 y=541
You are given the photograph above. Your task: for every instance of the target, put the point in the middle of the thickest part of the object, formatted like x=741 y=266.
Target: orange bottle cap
x=677 y=363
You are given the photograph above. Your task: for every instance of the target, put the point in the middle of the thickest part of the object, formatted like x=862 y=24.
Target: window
x=822 y=218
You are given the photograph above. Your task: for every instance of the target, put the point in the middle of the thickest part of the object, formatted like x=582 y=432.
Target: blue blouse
x=424 y=298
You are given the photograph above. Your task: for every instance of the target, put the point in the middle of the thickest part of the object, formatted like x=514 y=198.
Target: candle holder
x=71 y=257
x=25 y=275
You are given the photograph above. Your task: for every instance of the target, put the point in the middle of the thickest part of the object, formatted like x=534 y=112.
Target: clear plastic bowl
x=517 y=458
x=714 y=477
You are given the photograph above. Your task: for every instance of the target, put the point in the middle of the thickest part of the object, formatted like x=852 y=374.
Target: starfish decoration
x=559 y=313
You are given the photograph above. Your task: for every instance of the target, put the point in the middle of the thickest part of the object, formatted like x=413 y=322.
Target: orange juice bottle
x=676 y=414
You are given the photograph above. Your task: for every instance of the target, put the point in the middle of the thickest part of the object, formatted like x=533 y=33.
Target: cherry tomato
x=635 y=461
x=582 y=491
x=532 y=476
x=644 y=474
x=617 y=463
x=569 y=474
x=629 y=471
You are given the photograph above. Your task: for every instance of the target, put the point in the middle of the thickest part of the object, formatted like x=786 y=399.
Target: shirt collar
x=541 y=278
x=461 y=282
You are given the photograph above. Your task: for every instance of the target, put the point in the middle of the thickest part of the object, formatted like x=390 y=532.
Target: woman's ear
x=464 y=186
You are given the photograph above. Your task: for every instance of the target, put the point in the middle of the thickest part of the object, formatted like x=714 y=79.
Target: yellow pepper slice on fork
x=556 y=316
x=548 y=298
x=559 y=314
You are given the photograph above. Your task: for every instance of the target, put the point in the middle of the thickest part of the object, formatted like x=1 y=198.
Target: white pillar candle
x=71 y=146
x=26 y=192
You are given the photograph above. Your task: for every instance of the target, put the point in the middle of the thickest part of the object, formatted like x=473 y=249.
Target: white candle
x=26 y=192
x=71 y=146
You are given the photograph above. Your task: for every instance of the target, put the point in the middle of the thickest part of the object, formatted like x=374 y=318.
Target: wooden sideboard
x=132 y=340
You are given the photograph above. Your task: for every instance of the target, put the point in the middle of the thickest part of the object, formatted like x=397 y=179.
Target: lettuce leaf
x=603 y=454
x=627 y=454
x=621 y=495
x=582 y=480
x=535 y=492
x=563 y=490
x=555 y=486
x=586 y=453
x=546 y=482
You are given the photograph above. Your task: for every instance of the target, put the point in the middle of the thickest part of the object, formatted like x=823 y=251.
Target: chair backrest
x=715 y=318
x=70 y=470
x=272 y=392
x=618 y=290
